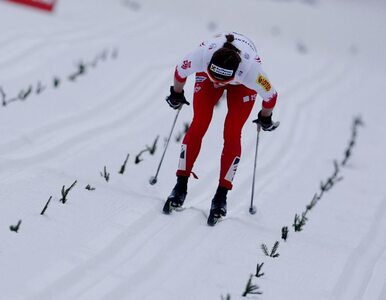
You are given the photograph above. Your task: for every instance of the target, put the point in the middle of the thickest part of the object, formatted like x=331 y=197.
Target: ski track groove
x=114 y=256
x=114 y=102
x=359 y=266
x=82 y=36
x=82 y=138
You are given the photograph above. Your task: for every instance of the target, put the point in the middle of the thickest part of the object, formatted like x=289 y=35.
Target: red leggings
x=240 y=101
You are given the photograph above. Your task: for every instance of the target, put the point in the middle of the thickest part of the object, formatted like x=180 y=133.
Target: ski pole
x=153 y=179
x=252 y=208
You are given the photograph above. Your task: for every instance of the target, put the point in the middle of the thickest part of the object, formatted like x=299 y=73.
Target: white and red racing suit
x=250 y=80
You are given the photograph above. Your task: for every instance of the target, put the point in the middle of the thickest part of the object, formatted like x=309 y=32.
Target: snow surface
x=326 y=59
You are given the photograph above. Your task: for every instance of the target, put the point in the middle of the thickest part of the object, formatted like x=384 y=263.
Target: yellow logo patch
x=264 y=82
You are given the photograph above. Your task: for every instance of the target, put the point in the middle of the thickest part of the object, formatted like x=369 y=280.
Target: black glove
x=266 y=122
x=176 y=100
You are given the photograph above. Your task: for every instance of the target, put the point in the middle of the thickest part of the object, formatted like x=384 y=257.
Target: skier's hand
x=266 y=122
x=176 y=100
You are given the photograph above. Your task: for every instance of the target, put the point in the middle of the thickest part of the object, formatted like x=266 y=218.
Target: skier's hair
x=228 y=44
x=227 y=57
x=228 y=54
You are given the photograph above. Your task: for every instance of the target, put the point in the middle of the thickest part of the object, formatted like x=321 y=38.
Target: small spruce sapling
x=153 y=148
x=251 y=289
x=265 y=249
x=180 y=135
x=15 y=228
x=123 y=167
x=56 y=82
x=258 y=270
x=299 y=222
x=3 y=97
x=46 y=206
x=89 y=188
x=273 y=251
x=66 y=191
x=284 y=233
x=81 y=70
x=105 y=174
x=138 y=158
x=23 y=94
x=40 y=88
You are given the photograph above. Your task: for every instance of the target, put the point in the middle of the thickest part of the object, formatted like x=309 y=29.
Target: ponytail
x=228 y=44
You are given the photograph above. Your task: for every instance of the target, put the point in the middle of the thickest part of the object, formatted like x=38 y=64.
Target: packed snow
x=82 y=89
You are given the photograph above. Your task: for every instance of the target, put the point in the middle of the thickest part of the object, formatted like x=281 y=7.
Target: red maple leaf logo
x=186 y=64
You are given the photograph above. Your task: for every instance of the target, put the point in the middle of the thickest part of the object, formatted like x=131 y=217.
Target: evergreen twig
x=153 y=148
x=15 y=228
x=138 y=158
x=258 y=270
x=66 y=191
x=46 y=206
x=299 y=222
x=123 y=167
x=274 y=249
x=105 y=174
x=251 y=289
x=284 y=233
x=265 y=249
x=90 y=188
x=23 y=94
x=3 y=97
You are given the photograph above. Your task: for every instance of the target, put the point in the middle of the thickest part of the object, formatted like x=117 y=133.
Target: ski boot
x=218 y=210
x=177 y=196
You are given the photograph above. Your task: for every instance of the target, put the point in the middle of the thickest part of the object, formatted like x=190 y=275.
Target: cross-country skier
x=227 y=62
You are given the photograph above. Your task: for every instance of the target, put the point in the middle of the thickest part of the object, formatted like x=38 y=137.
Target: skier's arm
x=178 y=83
x=191 y=63
x=256 y=79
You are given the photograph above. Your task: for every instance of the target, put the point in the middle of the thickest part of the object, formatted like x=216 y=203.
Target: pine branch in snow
x=348 y=152
x=138 y=158
x=3 y=97
x=15 y=228
x=81 y=70
x=23 y=94
x=89 y=188
x=40 y=88
x=284 y=233
x=181 y=134
x=274 y=249
x=66 y=191
x=46 y=206
x=299 y=222
x=153 y=148
x=55 y=82
x=313 y=202
x=251 y=289
x=265 y=249
x=105 y=174
x=258 y=270
x=123 y=167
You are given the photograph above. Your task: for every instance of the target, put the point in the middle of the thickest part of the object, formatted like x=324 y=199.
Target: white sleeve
x=256 y=79
x=191 y=63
